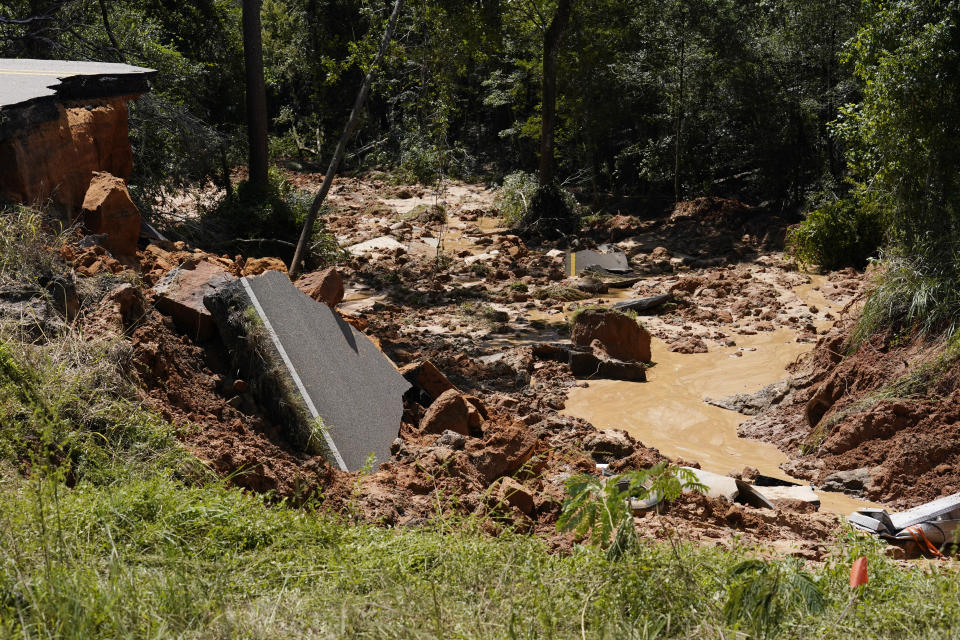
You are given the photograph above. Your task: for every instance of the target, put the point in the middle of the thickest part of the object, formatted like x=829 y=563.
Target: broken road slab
x=340 y=395
x=718 y=486
x=575 y=263
x=643 y=304
x=382 y=244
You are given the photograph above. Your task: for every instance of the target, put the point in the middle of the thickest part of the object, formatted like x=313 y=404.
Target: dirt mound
x=712 y=210
x=882 y=422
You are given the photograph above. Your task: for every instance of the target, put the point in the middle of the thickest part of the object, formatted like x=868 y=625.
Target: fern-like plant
x=600 y=509
x=760 y=593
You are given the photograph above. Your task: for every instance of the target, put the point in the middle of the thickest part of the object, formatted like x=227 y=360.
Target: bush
x=515 y=196
x=553 y=213
x=911 y=292
x=265 y=222
x=842 y=233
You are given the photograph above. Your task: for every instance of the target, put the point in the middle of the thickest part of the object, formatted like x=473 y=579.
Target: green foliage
x=66 y=403
x=28 y=246
x=841 y=233
x=600 y=507
x=553 y=213
x=515 y=196
x=760 y=593
x=912 y=292
x=265 y=221
x=904 y=140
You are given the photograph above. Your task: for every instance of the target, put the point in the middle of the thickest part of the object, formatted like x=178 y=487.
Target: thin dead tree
x=352 y=122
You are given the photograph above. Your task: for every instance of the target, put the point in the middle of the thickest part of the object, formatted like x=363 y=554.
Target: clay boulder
x=622 y=337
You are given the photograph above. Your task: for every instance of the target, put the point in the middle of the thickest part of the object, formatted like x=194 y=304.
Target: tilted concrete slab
x=804 y=493
x=718 y=486
x=575 y=263
x=313 y=367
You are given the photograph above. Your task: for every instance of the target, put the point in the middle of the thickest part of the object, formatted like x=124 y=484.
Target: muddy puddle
x=668 y=413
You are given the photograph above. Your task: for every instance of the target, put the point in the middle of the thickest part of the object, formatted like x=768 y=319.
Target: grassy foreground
x=152 y=558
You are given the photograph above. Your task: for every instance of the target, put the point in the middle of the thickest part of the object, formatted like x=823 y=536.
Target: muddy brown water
x=668 y=413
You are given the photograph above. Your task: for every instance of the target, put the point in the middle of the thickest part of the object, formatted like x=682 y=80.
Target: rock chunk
x=451 y=411
x=323 y=286
x=108 y=210
x=688 y=345
x=609 y=443
x=257 y=266
x=180 y=295
x=509 y=491
x=621 y=336
x=425 y=376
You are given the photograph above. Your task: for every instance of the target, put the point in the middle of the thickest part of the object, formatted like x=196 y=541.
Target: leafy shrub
x=553 y=213
x=600 y=508
x=266 y=221
x=842 y=233
x=515 y=196
x=761 y=593
x=913 y=292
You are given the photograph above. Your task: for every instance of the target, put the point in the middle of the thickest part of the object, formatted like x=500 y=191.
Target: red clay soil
x=908 y=448
x=523 y=436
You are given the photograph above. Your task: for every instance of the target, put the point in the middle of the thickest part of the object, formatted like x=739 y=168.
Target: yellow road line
x=55 y=74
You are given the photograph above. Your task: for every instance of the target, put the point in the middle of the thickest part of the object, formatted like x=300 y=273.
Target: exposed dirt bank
x=881 y=422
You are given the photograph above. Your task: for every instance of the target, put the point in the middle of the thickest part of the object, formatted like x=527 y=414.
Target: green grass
x=153 y=558
x=911 y=294
x=106 y=533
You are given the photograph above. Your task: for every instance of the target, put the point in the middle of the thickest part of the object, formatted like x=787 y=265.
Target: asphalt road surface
x=24 y=80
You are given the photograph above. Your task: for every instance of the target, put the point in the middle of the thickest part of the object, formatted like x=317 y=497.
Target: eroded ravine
x=668 y=412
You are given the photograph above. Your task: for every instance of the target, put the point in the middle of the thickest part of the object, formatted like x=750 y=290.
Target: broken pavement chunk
x=180 y=295
x=384 y=244
x=575 y=263
x=340 y=396
x=643 y=304
x=718 y=486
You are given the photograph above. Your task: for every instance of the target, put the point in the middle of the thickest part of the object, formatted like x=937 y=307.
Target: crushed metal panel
x=574 y=263
x=342 y=376
x=937 y=532
x=925 y=512
x=874 y=522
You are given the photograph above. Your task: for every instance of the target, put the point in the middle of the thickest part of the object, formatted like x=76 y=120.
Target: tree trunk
x=552 y=38
x=679 y=128
x=256 y=92
x=342 y=144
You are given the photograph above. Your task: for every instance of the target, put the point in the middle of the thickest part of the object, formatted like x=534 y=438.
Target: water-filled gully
x=667 y=412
